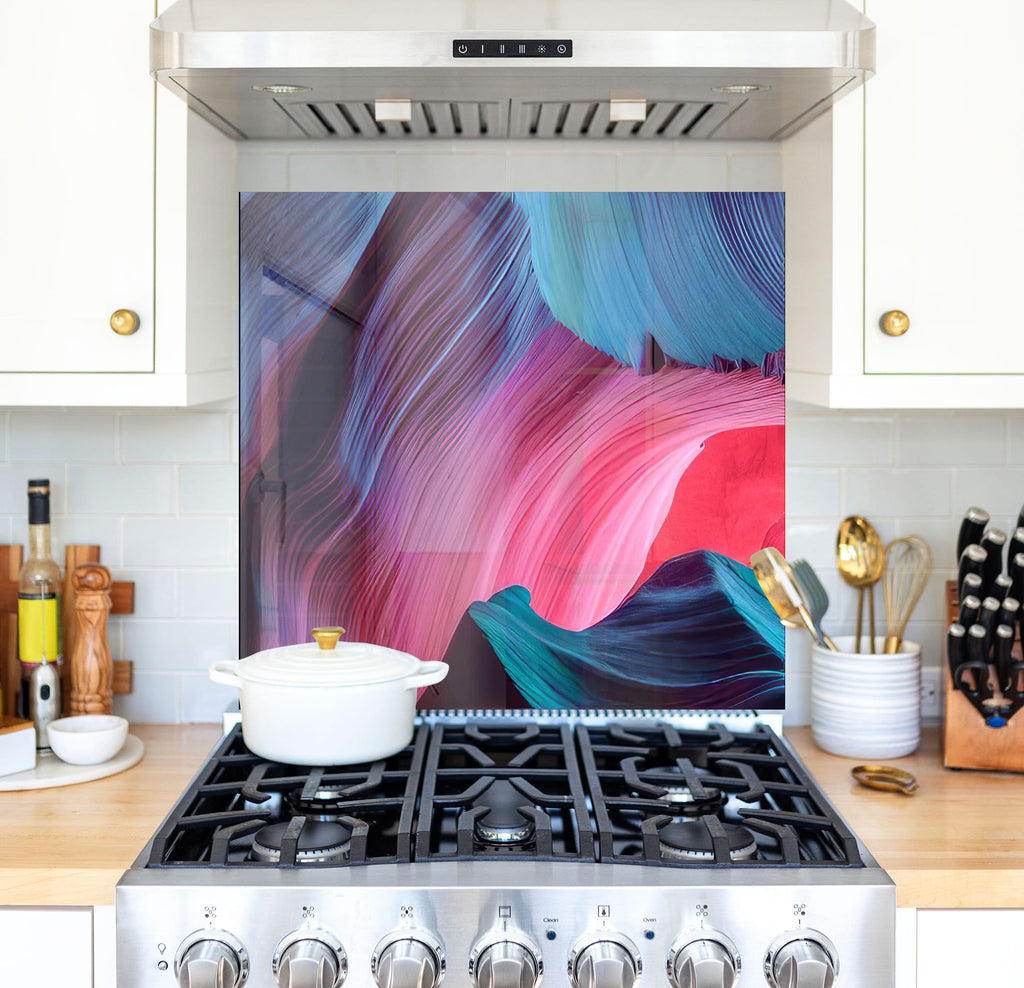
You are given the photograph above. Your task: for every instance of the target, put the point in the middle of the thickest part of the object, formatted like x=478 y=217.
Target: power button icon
x=463 y=49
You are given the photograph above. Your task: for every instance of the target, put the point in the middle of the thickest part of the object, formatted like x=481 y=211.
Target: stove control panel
x=211 y=959
x=310 y=959
x=505 y=959
x=408 y=959
x=464 y=936
x=801 y=959
x=604 y=960
x=709 y=960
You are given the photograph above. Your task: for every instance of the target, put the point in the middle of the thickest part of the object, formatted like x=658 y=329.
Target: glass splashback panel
x=535 y=435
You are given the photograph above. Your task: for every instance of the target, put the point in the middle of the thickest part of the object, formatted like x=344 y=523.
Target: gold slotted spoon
x=860 y=559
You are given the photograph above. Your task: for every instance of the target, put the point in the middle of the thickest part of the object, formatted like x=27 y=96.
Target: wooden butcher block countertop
x=959 y=842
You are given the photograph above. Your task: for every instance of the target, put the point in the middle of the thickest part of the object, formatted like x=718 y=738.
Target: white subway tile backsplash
x=156 y=592
x=177 y=542
x=948 y=440
x=202 y=700
x=999 y=490
x=209 y=593
x=811 y=539
x=261 y=172
x=831 y=439
x=209 y=490
x=755 y=172
x=1015 y=439
x=75 y=437
x=897 y=493
x=588 y=172
x=655 y=172
x=82 y=530
x=14 y=478
x=158 y=645
x=121 y=490
x=469 y=172
x=812 y=491
x=155 y=698
x=188 y=436
x=342 y=172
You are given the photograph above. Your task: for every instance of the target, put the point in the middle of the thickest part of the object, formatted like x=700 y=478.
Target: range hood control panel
x=514 y=48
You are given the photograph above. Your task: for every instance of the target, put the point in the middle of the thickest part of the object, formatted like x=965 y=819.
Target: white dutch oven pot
x=327 y=703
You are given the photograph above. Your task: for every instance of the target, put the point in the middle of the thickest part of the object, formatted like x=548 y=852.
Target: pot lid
x=328 y=662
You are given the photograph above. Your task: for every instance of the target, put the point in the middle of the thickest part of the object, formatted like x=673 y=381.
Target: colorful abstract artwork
x=536 y=435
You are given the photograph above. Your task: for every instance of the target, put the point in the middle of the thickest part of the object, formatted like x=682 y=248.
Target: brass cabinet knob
x=895 y=323
x=124 y=322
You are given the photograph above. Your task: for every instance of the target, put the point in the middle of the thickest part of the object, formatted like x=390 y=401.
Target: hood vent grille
x=447 y=120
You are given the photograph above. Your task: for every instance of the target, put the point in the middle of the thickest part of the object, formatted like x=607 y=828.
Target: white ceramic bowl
x=88 y=739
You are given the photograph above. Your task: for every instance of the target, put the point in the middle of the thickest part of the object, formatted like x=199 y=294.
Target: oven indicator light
x=649 y=934
x=603 y=912
x=551 y=934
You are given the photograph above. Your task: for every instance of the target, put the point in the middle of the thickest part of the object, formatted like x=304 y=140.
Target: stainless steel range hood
x=531 y=69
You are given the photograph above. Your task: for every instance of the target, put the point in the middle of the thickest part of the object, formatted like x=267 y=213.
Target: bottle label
x=39 y=629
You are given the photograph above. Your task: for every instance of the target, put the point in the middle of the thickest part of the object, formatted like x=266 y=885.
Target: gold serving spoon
x=860 y=559
x=783 y=593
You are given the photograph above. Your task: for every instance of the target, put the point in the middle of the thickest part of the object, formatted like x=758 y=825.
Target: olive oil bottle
x=39 y=592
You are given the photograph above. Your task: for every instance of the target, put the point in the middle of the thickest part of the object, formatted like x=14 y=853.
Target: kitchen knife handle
x=1016 y=545
x=988 y=618
x=1017 y=576
x=977 y=662
x=971 y=528
x=955 y=650
x=1001 y=657
x=972 y=560
x=970 y=608
x=993 y=542
x=1009 y=611
x=1000 y=586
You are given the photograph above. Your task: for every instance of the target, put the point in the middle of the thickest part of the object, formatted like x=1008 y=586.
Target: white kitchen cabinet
x=47 y=947
x=969 y=947
x=906 y=198
x=113 y=197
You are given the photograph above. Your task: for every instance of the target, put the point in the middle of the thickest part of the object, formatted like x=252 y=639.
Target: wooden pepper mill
x=92 y=670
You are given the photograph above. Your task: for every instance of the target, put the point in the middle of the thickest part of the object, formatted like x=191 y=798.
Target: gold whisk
x=908 y=564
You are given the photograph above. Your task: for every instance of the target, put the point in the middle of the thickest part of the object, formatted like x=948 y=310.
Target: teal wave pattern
x=698 y=634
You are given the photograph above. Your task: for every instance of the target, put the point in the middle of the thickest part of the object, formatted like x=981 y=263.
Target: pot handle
x=224 y=673
x=430 y=673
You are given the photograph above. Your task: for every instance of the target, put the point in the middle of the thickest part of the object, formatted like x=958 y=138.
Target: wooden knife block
x=967 y=741
x=122 y=596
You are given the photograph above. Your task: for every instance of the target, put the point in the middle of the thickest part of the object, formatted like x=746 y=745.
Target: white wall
x=158 y=490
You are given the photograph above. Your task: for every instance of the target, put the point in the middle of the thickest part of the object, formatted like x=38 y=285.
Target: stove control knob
x=707 y=960
x=310 y=959
x=505 y=961
x=801 y=959
x=608 y=960
x=211 y=959
x=408 y=959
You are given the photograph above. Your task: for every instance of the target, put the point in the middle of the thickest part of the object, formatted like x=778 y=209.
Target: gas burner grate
x=632 y=791
x=237 y=793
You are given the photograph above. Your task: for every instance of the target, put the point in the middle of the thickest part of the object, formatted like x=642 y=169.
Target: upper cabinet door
x=943 y=197
x=76 y=200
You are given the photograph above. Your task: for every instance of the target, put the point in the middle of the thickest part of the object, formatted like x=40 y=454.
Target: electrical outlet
x=931 y=694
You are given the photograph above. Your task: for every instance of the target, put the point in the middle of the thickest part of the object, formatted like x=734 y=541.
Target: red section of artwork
x=731 y=499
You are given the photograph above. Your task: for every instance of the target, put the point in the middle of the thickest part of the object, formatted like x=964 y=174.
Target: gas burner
x=691 y=842
x=682 y=801
x=502 y=823
x=319 y=843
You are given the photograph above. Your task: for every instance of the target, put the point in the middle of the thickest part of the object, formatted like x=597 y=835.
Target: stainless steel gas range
x=500 y=850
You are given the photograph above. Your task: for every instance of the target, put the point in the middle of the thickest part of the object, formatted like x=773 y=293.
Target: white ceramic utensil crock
x=325 y=702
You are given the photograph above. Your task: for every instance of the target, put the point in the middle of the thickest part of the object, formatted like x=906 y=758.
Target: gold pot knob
x=327 y=638
x=124 y=322
x=895 y=323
